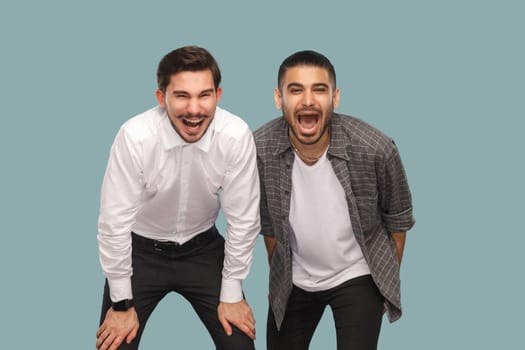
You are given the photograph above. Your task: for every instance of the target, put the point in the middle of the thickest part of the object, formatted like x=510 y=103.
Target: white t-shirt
x=324 y=249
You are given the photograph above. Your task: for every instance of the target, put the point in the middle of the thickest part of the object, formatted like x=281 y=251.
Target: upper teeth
x=192 y=123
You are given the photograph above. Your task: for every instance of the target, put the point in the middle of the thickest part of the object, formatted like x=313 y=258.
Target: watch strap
x=123 y=305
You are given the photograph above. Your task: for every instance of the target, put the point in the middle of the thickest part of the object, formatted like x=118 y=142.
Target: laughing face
x=307 y=98
x=190 y=100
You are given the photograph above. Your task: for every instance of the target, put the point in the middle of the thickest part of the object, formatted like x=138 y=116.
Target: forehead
x=191 y=81
x=306 y=75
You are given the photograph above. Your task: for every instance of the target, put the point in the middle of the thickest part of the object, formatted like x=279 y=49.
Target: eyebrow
x=210 y=90
x=297 y=85
x=207 y=91
x=321 y=85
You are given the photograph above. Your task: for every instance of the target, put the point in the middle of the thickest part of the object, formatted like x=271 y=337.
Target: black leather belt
x=170 y=245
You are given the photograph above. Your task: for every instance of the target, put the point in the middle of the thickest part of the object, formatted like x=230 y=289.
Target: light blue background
x=444 y=79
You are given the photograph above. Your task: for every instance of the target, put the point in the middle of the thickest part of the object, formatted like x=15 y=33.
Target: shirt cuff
x=231 y=291
x=120 y=289
x=400 y=222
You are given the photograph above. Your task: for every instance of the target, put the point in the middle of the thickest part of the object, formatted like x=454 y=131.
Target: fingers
x=116 y=343
x=226 y=325
x=239 y=315
x=106 y=340
x=101 y=338
x=117 y=327
x=249 y=323
x=249 y=330
x=103 y=335
x=100 y=330
x=245 y=325
x=251 y=319
x=132 y=335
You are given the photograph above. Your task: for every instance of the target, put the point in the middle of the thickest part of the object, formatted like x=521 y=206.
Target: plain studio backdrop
x=444 y=79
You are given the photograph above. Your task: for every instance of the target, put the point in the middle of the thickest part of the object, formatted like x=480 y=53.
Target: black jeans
x=357 y=306
x=193 y=270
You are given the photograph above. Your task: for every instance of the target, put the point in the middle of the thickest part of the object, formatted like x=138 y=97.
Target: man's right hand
x=270 y=243
x=117 y=327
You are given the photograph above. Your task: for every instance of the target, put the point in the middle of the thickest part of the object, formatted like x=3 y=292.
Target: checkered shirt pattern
x=369 y=168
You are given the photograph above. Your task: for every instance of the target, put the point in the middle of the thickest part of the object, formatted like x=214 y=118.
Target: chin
x=310 y=137
x=192 y=139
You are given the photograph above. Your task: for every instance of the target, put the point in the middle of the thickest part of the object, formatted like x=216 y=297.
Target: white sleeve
x=240 y=205
x=121 y=191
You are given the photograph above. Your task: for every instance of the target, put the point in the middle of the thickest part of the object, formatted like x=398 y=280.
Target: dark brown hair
x=187 y=58
x=306 y=58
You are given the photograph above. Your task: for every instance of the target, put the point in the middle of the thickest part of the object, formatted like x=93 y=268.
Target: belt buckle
x=158 y=245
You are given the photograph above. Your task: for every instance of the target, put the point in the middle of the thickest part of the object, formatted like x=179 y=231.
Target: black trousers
x=193 y=270
x=357 y=306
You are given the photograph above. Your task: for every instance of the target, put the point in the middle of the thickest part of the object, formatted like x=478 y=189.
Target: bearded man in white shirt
x=159 y=203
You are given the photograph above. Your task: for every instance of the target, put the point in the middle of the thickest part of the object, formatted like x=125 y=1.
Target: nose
x=193 y=106
x=308 y=98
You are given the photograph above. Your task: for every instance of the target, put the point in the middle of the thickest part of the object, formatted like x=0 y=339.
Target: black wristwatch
x=122 y=305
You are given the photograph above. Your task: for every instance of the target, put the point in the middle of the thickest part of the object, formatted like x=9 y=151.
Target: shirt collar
x=337 y=139
x=283 y=141
x=171 y=139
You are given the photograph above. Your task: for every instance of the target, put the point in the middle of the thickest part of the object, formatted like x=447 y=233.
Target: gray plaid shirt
x=369 y=168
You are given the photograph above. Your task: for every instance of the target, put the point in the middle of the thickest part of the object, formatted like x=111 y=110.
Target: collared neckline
x=283 y=142
x=172 y=139
x=337 y=139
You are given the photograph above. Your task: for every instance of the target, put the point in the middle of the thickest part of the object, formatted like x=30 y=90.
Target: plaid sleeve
x=266 y=224
x=396 y=199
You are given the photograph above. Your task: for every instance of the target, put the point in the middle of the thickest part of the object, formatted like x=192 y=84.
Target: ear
x=218 y=94
x=335 y=99
x=160 y=97
x=278 y=99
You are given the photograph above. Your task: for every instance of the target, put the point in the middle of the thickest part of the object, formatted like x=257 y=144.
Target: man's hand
x=117 y=327
x=270 y=243
x=399 y=241
x=238 y=314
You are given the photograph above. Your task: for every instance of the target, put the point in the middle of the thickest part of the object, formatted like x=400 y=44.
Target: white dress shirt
x=325 y=252
x=163 y=188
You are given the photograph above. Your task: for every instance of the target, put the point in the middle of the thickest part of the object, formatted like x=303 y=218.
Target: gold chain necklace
x=306 y=159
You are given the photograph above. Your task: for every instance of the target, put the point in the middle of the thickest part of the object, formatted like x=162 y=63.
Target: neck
x=310 y=153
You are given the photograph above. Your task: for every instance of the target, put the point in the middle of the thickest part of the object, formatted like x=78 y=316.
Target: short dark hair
x=306 y=58
x=187 y=58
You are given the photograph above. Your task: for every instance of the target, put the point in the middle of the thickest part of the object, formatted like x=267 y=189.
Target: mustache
x=308 y=109
x=193 y=115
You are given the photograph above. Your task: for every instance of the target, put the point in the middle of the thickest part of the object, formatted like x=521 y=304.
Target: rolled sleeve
x=400 y=222
x=396 y=199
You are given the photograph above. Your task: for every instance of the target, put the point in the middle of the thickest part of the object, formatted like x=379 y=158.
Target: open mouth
x=192 y=123
x=308 y=120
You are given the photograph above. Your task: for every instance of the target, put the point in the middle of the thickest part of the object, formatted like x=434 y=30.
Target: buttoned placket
x=184 y=191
